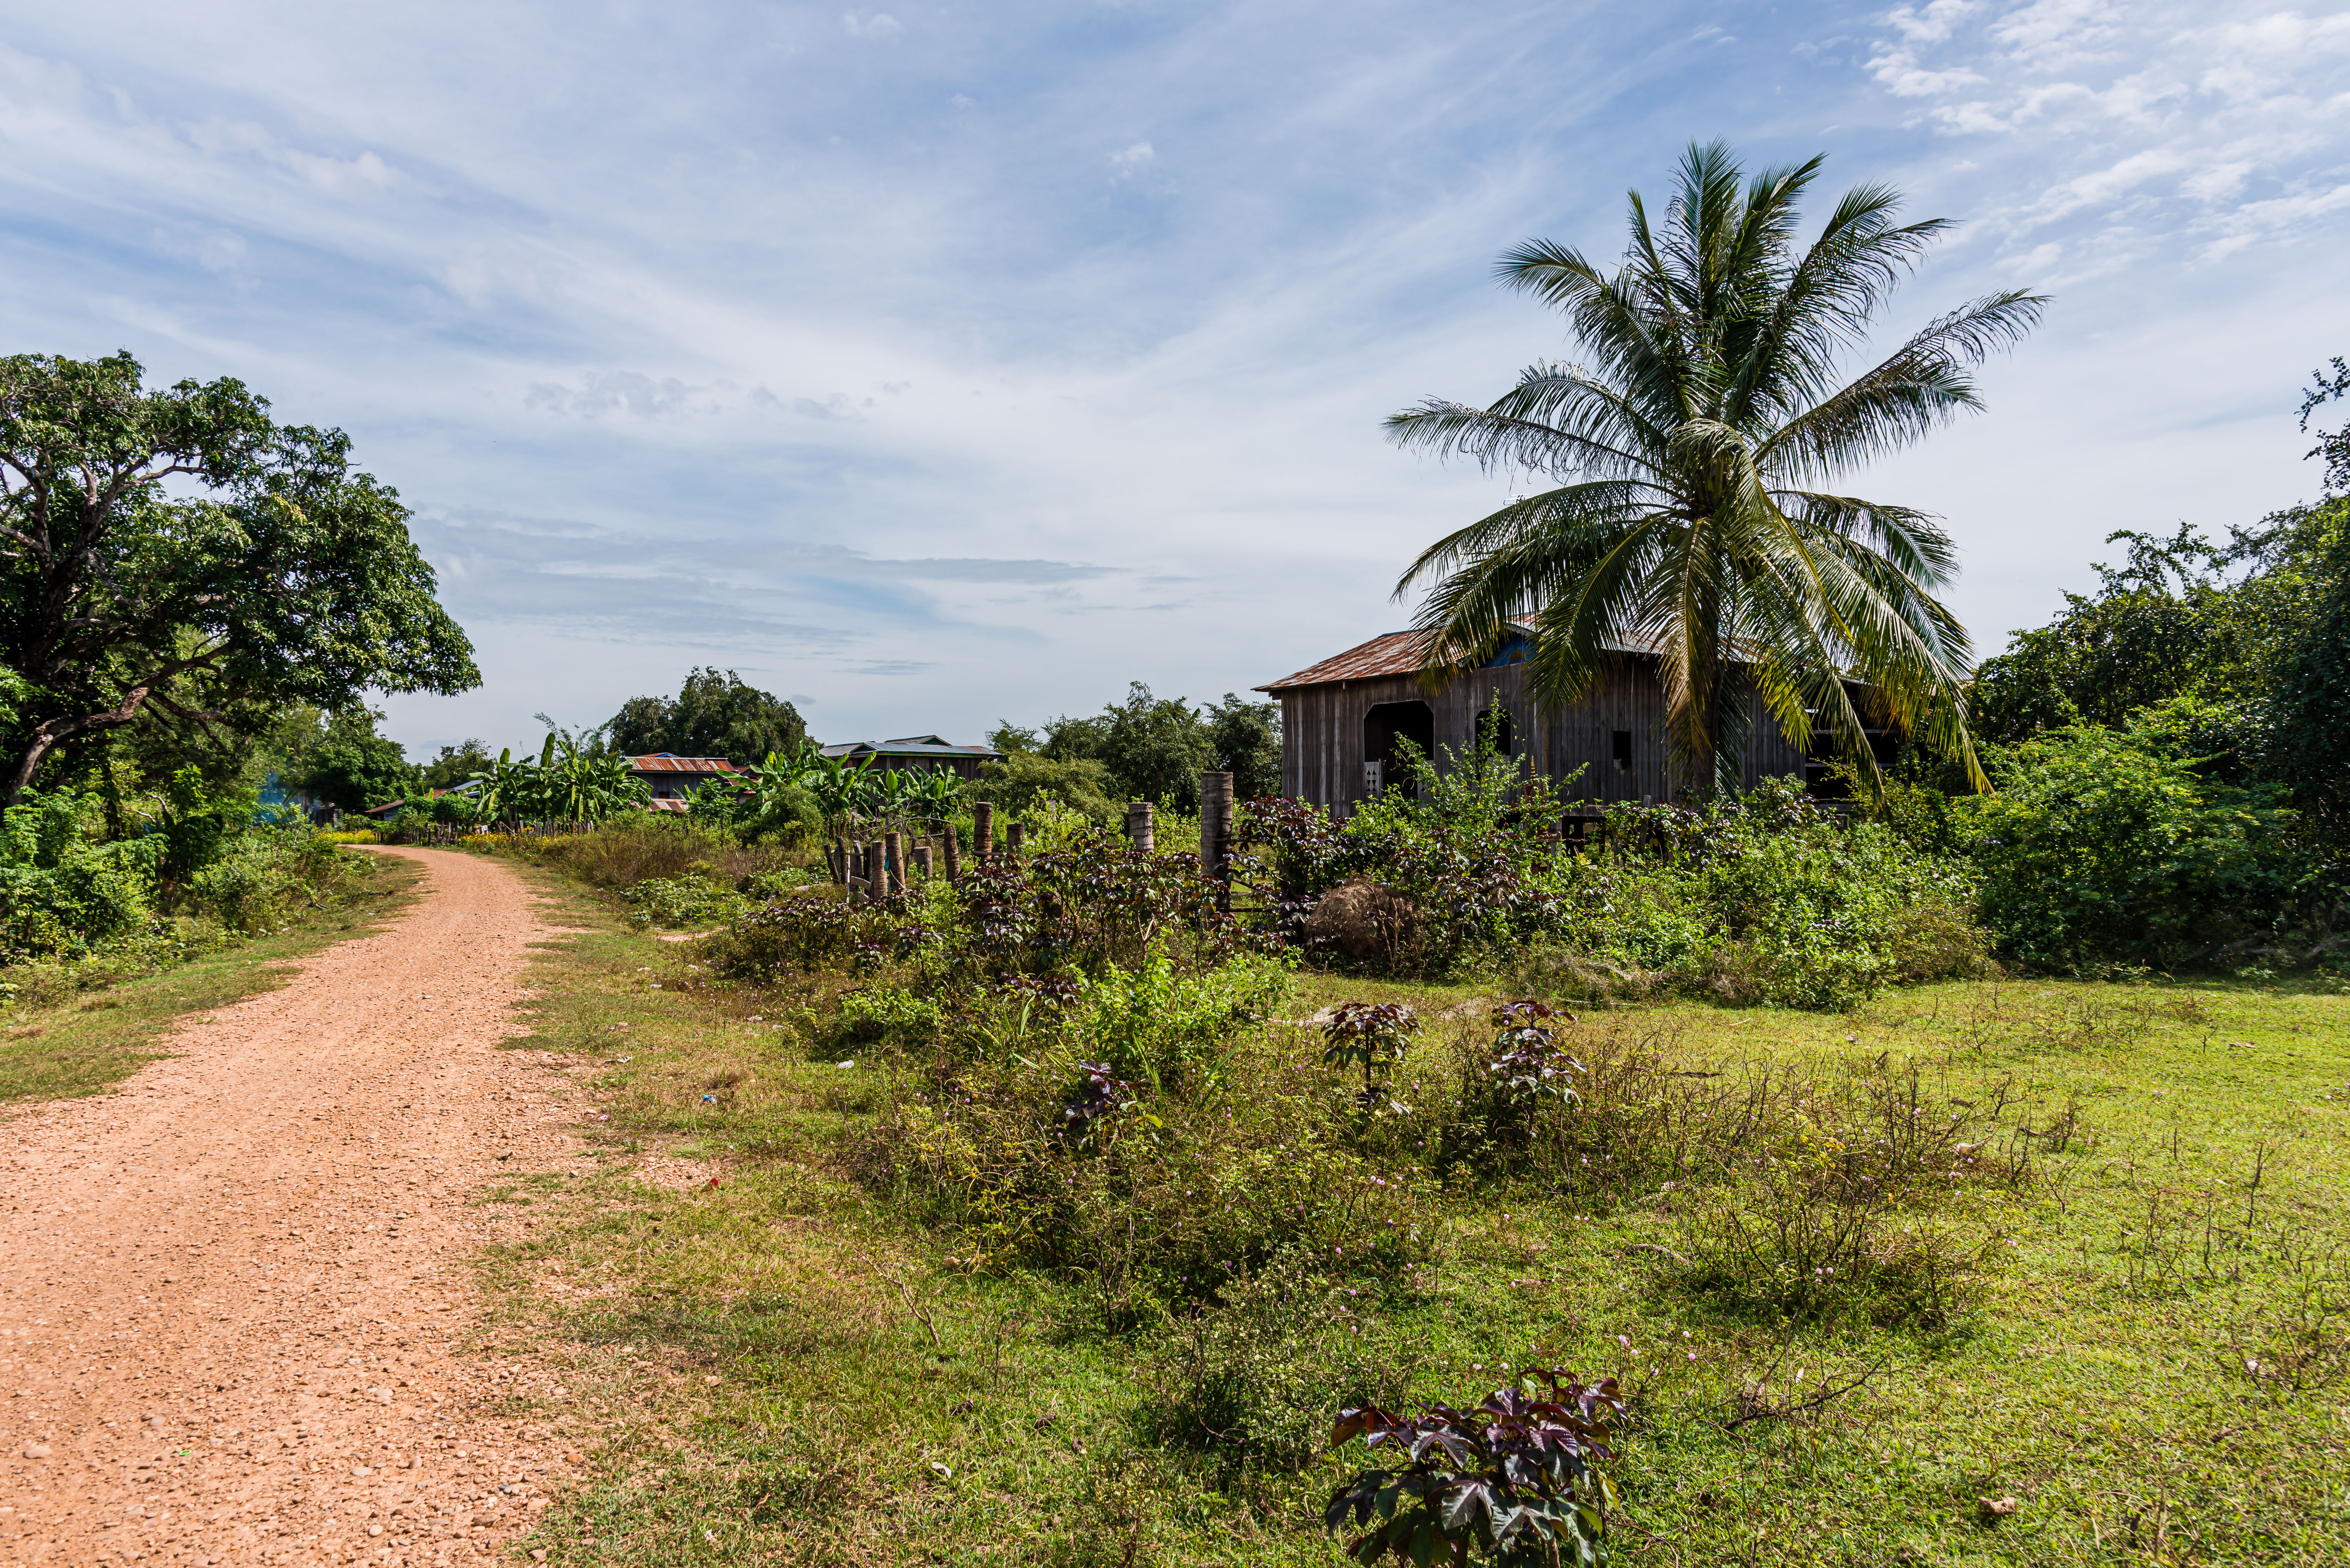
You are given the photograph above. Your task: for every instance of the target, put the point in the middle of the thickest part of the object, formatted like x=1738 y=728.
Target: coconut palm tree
x=1697 y=447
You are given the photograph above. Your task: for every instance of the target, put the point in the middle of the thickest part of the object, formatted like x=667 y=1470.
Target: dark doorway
x=1388 y=722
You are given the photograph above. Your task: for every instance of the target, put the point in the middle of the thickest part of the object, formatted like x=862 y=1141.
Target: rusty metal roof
x=1396 y=653
x=1399 y=652
x=668 y=762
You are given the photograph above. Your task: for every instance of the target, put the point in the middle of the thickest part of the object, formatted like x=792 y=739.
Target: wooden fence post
x=1141 y=837
x=1015 y=837
x=877 y=874
x=954 y=853
x=922 y=859
x=1216 y=831
x=982 y=830
x=893 y=863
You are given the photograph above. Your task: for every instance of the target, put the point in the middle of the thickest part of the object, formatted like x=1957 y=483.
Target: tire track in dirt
x=228 y=1289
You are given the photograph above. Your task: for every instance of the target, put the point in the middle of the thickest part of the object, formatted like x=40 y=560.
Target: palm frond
x=1922 y=384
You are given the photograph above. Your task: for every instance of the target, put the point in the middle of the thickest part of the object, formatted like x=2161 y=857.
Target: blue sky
x=932 y=365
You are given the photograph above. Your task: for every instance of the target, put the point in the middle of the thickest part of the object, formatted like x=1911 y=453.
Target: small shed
x=1340 y=720
x=919 y=754
x=674 y=778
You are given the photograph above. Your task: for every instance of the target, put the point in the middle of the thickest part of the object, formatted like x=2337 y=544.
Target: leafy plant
x=1514 y=1481
x=1528 y=1064
x=1372 y=1036
x=1154 y=1025
x=2107 y=846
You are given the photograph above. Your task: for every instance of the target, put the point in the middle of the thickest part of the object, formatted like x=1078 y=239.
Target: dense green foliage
x=712 y=715
x=173 y=558
x=1145 y=747
x=2171 y=756
x=349 y=765
x=153 y=873
x=2109 y=846
x=1762 y=896
x=1698 y=441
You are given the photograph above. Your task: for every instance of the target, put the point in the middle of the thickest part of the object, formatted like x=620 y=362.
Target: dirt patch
x=230 y=1290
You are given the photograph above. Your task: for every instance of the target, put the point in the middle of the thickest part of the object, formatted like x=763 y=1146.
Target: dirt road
x=228 y=1291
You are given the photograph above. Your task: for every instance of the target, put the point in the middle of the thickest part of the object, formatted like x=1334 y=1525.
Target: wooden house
x=1340 y=720
x=673 y=779
x=921 y=753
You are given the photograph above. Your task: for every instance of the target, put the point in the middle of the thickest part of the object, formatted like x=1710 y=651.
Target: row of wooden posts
x=881 y=869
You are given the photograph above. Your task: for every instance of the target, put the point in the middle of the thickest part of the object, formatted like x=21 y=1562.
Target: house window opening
x=1387 y=724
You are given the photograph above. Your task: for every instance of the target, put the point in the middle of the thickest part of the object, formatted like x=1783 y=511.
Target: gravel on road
x=232 y=1291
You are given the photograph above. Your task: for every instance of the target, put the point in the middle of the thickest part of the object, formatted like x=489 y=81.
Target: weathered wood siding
x=1322 y=737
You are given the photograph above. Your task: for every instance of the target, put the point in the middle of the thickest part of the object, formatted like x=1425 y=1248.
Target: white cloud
x=2162 y=115
x=1132 y=160
x=880 y=24
x=629 y=392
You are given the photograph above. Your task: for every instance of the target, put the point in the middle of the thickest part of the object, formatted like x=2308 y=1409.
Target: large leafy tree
x=712 y=715
x=173 y=554
x=347 y=765
x=1697 y=447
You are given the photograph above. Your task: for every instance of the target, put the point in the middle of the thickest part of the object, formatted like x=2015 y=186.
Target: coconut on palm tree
x=1698 y=448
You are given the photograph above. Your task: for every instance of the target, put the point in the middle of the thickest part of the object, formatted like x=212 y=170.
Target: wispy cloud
x=970 y=362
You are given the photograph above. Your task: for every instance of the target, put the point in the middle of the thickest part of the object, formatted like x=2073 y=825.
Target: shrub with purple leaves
x=1513 y=1481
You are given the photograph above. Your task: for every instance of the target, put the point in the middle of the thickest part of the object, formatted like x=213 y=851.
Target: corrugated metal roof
x=666 y=763
x=1399 y=653
x=927 y=746
x=1396 y=653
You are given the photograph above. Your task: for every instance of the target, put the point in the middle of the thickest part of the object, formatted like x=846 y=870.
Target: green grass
x=798 y=1366
x=89 y=1040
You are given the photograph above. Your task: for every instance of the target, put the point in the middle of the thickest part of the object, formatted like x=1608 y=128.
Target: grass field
x=2144 y=1358
x=89 y=1040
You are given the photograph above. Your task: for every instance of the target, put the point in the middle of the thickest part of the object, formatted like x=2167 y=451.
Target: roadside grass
x=89 y=1040
x=796 y=1366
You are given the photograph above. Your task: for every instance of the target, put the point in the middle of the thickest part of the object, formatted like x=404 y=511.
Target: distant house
x=921 y=754
x=1340 y=720
x=673 y=779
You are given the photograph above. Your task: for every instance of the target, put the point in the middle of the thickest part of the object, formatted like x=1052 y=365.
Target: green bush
x=2105 y=848
x=682 y=901
x=65 y=892
x=256 y=879
x=1166 y=1029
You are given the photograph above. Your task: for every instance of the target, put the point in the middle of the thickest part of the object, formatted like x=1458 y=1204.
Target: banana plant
x=588 y=787
x=507 y=789
x=843 y=791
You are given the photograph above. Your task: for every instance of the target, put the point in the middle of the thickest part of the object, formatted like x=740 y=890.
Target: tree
x=1156 y=747
x=455 y=764
x=712 y=715
x=1696 y=445
x=352 y=766
x=1246 y=740
x=268 y=573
